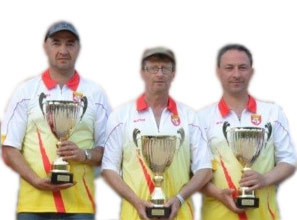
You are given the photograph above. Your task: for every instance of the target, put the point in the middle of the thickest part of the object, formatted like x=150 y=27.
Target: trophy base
x=247 y=202
x=158 y=212
x=58 y=178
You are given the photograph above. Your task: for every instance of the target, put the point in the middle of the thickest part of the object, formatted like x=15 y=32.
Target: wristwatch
x=88 y=155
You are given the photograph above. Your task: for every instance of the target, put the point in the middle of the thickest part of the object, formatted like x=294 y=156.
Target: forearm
x=211 y=190
x=117 y=183
x=14 y=159
x=196 y=183
x=96 y=156
x=279 y=173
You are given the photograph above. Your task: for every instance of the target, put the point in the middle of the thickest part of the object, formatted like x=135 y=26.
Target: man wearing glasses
x=155 y=113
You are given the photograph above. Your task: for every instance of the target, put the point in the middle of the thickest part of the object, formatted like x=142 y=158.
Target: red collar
x=142 y=105
x=50 y=83
x=225 y=110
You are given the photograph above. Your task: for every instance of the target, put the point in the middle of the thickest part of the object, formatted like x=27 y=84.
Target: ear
x=253 y=71
x=173 y=75
x=45 y=47
x=218 y=72
x=142 y=73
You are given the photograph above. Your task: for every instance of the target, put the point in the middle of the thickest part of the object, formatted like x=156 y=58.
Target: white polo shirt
x=228 y=171
x=121 y=153
x=25 y=128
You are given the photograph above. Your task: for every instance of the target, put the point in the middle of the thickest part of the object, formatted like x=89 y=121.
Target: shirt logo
x=175 y=119
x=77 y=96
x=256 y=119
x=139 y=120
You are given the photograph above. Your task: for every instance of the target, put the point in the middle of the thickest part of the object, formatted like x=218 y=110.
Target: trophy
x=246 y=144
x=62 y=117
x=158 y=153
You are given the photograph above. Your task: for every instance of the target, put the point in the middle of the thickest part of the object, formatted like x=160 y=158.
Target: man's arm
x=255 y=180
x=200 y=178
x=225 y=196
x=14 y=159
x=116 y=182
x=71 y=152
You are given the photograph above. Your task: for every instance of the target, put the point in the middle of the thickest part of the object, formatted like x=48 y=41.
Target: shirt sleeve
x=113 y=146
x=102 y=113
x=200 y=154
x=284 y=148
x=15 y=119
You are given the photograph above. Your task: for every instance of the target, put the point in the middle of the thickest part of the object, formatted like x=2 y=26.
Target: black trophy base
x=59 y=178
x=158 y=212
x=247 y=202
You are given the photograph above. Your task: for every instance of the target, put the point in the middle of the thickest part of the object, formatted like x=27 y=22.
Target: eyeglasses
x=155 y=69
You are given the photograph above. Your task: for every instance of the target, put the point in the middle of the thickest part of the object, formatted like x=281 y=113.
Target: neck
x=236 y=102
x=156 y=101
x=61 y=77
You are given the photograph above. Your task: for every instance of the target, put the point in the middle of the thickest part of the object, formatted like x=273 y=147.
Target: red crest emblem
x=77 y=96
x=175 y=119
x=256 y=119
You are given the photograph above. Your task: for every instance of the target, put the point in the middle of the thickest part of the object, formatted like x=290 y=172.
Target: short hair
x=238 y=47
x=158 y=57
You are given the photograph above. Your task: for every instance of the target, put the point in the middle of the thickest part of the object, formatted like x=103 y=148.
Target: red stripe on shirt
x=147 y=176
x=47 y=167
x=242 y=216
x=88 y=192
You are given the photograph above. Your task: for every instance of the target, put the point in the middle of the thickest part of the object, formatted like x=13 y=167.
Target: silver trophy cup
x=62 y=118
x=158 y=153
x=246 y=144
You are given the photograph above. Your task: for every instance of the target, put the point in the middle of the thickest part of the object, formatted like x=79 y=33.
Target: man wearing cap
x=276 y=161
x=29 y=147
x=155 y=113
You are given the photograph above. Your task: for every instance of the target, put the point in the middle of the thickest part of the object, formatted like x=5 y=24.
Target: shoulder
x=27 y=87
x=208 y=111
x=121 y=113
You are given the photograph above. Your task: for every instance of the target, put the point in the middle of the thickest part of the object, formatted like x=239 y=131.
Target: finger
x=249 y=183
x=257 y=186
x=173 y=213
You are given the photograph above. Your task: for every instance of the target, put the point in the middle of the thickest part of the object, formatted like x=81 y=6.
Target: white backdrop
x=113 y=37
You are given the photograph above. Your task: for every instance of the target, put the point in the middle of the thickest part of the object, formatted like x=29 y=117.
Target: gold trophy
x=158 y=152
x=246 y=144
x=62 y=117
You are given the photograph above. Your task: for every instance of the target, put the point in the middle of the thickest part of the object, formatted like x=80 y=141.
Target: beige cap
x=158 y=50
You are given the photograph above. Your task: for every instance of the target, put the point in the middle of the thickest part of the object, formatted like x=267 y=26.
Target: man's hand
x=45 y=184
x=253 y=180
x=140 y=206
x=175 y=204
x=69 y=151
x=226 y=197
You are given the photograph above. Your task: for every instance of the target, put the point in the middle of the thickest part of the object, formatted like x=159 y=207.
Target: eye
x=228 y=67
x=70 y=44
x=243 y=67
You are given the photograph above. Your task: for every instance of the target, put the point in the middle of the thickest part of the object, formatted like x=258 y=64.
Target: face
x=159 y=81
x=62 y=50
x=235 y=72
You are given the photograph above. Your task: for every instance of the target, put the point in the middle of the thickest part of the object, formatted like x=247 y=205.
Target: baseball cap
x=158 y=50
x=61 y=26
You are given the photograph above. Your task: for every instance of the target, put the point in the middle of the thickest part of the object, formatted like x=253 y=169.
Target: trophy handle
x=225 y=127
x=41 y=97
x=85 y=101
x=268 y=130
x=136 y=132
x=181 y=132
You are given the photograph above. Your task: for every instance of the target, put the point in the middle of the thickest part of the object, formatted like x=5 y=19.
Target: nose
x=236 y=73
x=63 y=49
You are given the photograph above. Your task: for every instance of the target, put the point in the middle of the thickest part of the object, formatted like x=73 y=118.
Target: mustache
x=63 y=57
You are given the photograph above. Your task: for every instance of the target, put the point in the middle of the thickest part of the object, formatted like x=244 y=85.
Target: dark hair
x=238 y=47
x=158 y=57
